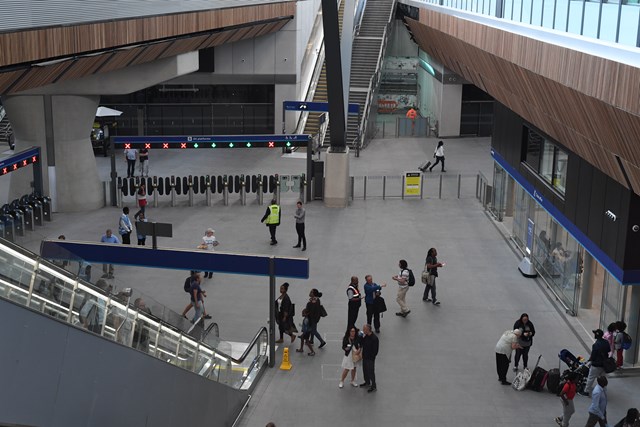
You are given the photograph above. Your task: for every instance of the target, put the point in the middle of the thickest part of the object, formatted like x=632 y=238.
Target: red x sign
x=127 y=146
x=183 y=145
x=147 y=146
x=165 y=145
x=272 y=144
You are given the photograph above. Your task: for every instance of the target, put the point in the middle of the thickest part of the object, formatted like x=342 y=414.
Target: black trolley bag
x=538 y=377
x=553 y=381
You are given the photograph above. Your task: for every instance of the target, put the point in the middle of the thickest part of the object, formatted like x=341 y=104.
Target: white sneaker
x=515 y=369
x=353 y=383
x=341 y=384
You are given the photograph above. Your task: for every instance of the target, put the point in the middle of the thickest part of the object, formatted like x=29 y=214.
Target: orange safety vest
x=412 y=114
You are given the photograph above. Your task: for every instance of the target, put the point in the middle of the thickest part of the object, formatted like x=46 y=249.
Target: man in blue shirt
x=370 y=289
x=598 y=408
x=108 y=268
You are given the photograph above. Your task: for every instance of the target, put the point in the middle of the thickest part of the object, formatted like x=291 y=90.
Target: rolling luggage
x=423 y=167
x=538 y=377
x=553 y=381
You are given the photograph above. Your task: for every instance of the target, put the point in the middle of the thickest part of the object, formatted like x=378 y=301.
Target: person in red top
x=412 y=114
x=566 y=395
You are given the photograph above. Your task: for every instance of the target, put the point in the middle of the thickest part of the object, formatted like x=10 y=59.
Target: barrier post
x=303 y=183
x=277 y=188
x=121 y=183
x=243 y=193
x=440 y=189
x=207 y=189
x=459 y=182
x=225 y=190
x=154 y=185
x=365 y=187
x=259 y=193
x=384 y=186
x=190 y=186
x=172 y=185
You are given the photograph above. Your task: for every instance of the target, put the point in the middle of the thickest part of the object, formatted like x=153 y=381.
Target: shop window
x=547 y=160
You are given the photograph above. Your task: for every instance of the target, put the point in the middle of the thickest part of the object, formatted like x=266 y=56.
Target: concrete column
x=451 y=108
x=70 y=175
x=586 y=293
x=336 y=182
x=631 y=355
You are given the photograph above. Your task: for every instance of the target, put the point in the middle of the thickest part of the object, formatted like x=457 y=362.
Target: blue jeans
x=313 y=332
x=198 y=307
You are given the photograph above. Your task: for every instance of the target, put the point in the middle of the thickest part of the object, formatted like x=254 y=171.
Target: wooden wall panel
x=84 y=66
x=149 y=53
x=580 y=107
x=184 y=45
x=8 y=79
x=45 y=43
x=41 y=76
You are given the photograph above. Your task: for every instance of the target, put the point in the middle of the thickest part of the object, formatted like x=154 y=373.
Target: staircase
x=6 y=132
x=368 y=47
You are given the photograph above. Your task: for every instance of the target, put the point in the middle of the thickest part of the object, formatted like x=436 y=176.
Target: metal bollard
x=440 y=189
x=384 y=186
x=243 y=193
x=260 y=190
x=459 y=182
x=207 y=186
x=190 y=185
x=225 y=190
x=172 y=185
x=365 y=187
x=277 y=189
x=154 y=185
x=353 y=185
x=122 y=182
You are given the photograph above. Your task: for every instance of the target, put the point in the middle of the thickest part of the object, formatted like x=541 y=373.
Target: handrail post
x=384 y=186
x=365 y=187
x=440 y=189
x=459 y=181
x=421 y=186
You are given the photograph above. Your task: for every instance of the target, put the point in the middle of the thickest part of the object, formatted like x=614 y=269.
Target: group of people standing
x=141 y=155
x=272 y=217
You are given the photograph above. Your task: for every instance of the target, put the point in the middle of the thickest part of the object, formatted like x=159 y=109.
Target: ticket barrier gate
x=224 y=185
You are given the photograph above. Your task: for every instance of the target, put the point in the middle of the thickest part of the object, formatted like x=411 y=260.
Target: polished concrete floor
x=437 y=366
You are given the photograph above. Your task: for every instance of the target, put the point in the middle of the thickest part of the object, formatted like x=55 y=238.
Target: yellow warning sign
x=412 y=183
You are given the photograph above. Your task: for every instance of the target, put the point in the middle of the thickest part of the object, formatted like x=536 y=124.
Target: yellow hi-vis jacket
x=274 y=215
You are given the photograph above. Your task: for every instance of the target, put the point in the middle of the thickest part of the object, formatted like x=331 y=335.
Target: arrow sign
x=320 y=107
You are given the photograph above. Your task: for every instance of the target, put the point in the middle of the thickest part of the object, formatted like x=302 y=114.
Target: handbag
x=609 y=365
x=356 y=357
x=323 y=312
x=520 y=381
x=380 y=304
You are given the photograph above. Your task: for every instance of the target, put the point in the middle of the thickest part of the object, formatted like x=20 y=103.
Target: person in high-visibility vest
x=272 y=217
x=412 y=113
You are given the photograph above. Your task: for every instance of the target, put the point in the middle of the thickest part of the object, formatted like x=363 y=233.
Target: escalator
x=75 y=342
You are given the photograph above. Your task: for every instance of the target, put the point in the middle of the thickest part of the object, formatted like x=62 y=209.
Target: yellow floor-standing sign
x=412 y=183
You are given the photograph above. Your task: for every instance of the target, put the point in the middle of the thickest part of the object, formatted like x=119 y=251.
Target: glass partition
x=127 y=317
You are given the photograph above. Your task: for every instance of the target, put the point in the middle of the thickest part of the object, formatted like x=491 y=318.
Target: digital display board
x=18 y=161
x=209 y=142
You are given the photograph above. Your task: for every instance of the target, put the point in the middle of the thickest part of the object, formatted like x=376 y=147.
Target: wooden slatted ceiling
x=40 y=44
x=596 y=128
x=83 y=66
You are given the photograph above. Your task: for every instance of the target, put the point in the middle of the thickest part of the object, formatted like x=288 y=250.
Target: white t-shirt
x=504 y=343
x=209 y=242
x=405 y=275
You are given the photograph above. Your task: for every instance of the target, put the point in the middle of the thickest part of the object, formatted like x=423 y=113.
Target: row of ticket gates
x=23 y=214
x=210 y=186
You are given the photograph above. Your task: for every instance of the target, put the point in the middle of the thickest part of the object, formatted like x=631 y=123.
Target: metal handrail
x=302 y=120
x=252 y=343
x=2 y=113
x=362 y=4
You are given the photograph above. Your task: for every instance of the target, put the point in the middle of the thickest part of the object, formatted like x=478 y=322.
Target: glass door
x=612 y=301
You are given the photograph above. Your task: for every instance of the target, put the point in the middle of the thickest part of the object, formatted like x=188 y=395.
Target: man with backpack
x=188 y=282
x=405 y=279
x=429 y=276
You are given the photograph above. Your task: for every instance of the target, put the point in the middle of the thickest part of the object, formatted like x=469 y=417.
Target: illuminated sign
x=18 y=161
x=208 y=142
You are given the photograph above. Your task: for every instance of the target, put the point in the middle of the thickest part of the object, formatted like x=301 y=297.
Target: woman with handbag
x=284 y=314
x=316 y=311
x=352 y=355
x=525 y=340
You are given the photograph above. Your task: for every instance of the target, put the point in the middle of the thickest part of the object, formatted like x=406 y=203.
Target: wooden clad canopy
x=39 y=57
x=587 y=103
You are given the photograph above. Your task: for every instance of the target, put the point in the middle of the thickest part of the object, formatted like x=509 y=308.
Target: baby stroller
x=577 y=366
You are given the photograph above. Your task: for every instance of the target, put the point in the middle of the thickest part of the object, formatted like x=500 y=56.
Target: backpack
x=187 y=285
x=626 y=341
x=412 y=278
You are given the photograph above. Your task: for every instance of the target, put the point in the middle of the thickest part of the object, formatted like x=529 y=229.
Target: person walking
x=403 y=286
x=525 y=340
x=130 y=155
x=431 y=267
x=143 y=158
x=598 y=407
x=108 y=269
x=141 y=198
x=370 y=290
x=599 y=353
x=352 y=355
x=299 y=215
x=439 y=156
x=142 y=238
x=306 y=335
x=187 y=287
x=314 y=308
x=505 y=346
x=370 y=345
x=272 y=216
x=355 y=301
x=209 y=242
x=566 y=397
x=284 y=314
x=630 y=420
x=124 y=226
x=621 y=327
x=197 y=298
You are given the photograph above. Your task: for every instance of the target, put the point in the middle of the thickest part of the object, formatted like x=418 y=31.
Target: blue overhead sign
x=318 y=107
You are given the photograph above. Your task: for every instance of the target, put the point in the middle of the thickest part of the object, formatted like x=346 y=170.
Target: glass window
x=534 y=145
x=547 y=161
x=560 y=171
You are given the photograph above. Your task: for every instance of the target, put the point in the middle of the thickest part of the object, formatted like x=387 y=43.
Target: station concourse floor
x=437 y=366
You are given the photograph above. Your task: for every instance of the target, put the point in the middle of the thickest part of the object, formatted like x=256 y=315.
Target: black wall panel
x=598 y=188
x=583 y=196
x=632 y=247
x=612 y=199
x=571 y=193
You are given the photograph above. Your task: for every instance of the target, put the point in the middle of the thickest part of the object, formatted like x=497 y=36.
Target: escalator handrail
x=244 y=355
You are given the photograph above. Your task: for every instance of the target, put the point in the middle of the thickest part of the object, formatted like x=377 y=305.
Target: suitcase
x=423 y=167
x=538 y=379
x=553 y=381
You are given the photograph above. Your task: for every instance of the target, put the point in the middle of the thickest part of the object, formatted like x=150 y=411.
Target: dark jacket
x=285 y=308
x=314 y=309
x=529 y=328
x=355 y=344
x=599 y=352
x=370 y=345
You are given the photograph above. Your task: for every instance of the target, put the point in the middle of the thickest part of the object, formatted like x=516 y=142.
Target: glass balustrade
x=127 y=317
